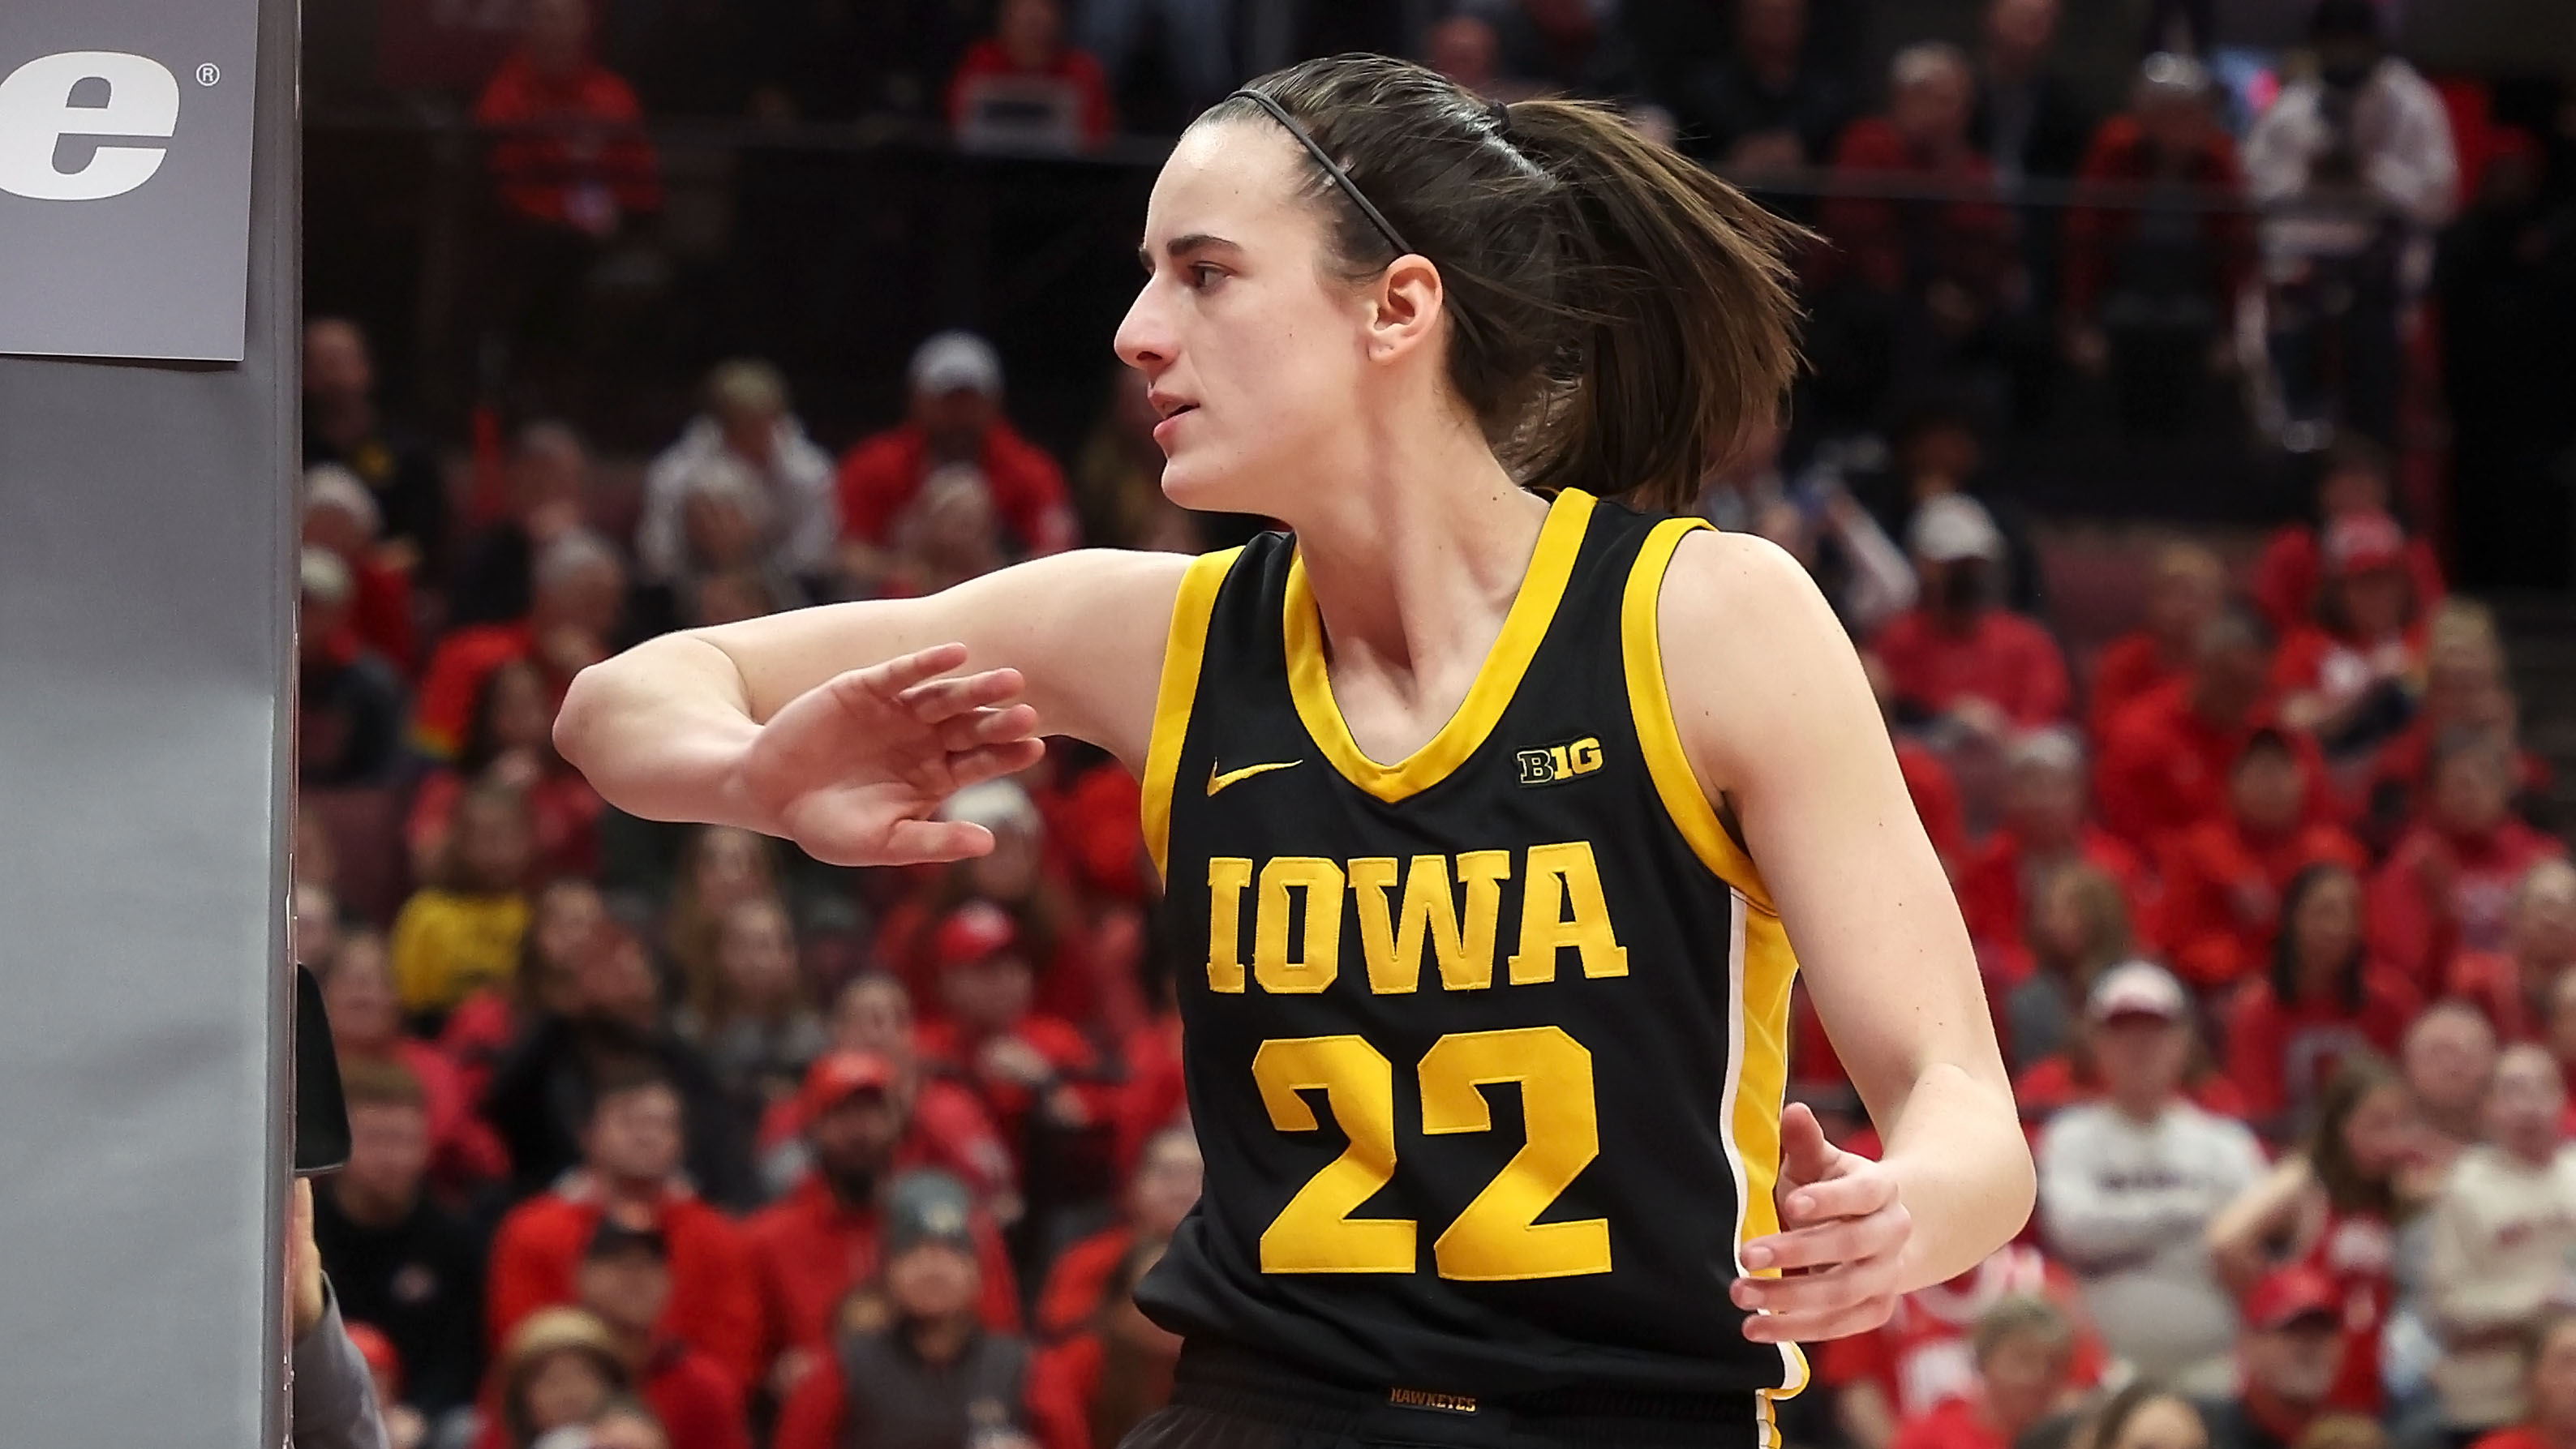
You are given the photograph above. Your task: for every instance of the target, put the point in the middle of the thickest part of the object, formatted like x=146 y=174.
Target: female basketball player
x=1496 y=804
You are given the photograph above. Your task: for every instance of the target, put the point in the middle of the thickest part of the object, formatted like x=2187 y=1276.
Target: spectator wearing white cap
x=2129 y=1183
x=746 y=422
x=955 y=417
x=1959 y=655
x=349 y=701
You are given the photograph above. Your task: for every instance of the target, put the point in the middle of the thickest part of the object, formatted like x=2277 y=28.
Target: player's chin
x=1205 y=478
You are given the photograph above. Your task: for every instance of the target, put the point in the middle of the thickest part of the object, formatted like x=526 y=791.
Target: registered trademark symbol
x=207 y=74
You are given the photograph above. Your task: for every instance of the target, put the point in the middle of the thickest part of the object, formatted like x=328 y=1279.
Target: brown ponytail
x=1620 y=318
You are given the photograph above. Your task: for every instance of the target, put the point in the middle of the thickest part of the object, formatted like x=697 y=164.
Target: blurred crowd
x=673 y=1137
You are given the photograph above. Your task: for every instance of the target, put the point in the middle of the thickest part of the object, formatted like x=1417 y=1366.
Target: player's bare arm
x=842 y=728
x=1782 y=728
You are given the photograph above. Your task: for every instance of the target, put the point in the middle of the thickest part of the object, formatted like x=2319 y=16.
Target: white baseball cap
x=2137 y=988
x=956 y=361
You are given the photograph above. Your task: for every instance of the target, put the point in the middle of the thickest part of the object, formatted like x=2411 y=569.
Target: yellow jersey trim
x=1764 y=967
x=1310 y=682
x=1184 y=648
x=1650 y=703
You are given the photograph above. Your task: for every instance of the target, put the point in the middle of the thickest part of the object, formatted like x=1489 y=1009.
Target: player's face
x=1252 y=349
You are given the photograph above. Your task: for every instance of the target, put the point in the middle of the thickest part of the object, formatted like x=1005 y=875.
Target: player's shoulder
x=1732 y=581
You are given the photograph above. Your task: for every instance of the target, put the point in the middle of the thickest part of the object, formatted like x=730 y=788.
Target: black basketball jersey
x=1485 y=1049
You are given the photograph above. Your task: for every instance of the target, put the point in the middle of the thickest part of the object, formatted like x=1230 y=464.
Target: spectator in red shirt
x=809 y=1249
x=2449 y=1058
x=1035 y=1074
x=1022 y=88
x=366 y=1025
x=1161 y=1192
x=2322 y=1000
x=2291 y=1353
x=2465 y=692
x=509 y=742
x=2024 y=1351
x=949 y=1130
x=2513 y=986
x=631 y=1162
x=1925 y=1354
x=2224 y=877
x=2044 y=826
x=915 y=1350
x=2446 y=886
x=2334 y=1206
x=2349 y=678
x=2549 y=1390
x=580 y=594
x=1089 y=1388
x=2186 y=589
x=2151 y=301
x=2164 y=765
x=625 y=1282
x=341 y=518
x=576 y=155
x=2355 y=480
x=1022 y=877
x=1959 y=656
x=1928 y=781
x=1953 y=259
x=956 y=417
x=2079 y=927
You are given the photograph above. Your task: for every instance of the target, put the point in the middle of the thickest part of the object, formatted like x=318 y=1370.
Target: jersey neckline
x=1310 y=685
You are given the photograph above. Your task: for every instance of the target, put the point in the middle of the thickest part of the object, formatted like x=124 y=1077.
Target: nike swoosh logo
x=1218 y=782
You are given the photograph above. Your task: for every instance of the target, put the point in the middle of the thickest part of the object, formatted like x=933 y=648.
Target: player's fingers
x=985 y=762
x=1847 y=1282
x=915 y=842
x=1805 y=1155
x=1840 y=1240
x=1852 y=1195
x=934 y=700
x=906 y=670
x=1857 y=1317
x=987 y=727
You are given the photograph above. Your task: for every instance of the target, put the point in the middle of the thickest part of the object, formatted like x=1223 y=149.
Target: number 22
x=1498 y=1237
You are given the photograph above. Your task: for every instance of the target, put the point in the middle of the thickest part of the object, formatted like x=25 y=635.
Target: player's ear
x=1404 y=308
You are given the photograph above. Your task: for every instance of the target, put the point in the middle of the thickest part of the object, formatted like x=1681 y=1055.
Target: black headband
x=1332 y=168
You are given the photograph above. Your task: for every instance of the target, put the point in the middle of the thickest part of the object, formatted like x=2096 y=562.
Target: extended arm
x=666 y=730
x=1781 y=726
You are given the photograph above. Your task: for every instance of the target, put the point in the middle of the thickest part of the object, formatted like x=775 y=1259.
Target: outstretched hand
x=1843 y=1229
x=854 y=769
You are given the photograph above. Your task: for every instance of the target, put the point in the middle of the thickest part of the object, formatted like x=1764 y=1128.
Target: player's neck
x=1414 y=565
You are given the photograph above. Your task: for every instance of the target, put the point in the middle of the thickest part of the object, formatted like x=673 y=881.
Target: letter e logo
x=36 y=113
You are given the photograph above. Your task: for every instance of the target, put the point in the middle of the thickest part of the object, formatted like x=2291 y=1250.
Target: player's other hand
x=1842 y=1230
x=854 y=769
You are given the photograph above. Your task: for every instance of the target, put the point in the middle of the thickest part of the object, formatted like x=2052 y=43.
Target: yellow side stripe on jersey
x=1650 y=703
x=1760 y=962
x=1310 y=684
x=1183 y=650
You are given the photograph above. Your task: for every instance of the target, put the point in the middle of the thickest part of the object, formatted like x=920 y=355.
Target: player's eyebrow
x=1182 y=247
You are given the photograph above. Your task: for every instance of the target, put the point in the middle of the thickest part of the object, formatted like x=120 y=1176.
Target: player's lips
x=1173 y=410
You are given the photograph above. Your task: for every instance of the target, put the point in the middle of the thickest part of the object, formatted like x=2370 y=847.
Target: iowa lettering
x=1404 y=911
